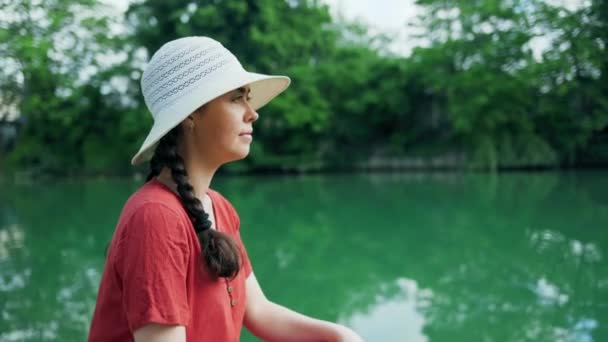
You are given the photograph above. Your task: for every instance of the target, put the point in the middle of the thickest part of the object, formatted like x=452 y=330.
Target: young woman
x=176 y=267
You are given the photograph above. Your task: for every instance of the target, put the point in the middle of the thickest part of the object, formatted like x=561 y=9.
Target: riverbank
x=437 y=164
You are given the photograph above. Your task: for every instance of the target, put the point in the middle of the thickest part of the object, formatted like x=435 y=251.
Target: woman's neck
x=200 y=179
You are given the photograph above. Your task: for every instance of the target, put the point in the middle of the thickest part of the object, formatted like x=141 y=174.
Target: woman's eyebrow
x=243 y=90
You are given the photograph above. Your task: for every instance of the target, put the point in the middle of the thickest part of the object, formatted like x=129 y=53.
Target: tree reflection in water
x=439 y=257
x=393 y=318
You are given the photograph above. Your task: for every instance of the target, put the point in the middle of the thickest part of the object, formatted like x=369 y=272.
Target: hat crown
x=181 y=66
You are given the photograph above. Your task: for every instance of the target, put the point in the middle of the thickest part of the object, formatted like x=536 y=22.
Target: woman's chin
x=242 y=153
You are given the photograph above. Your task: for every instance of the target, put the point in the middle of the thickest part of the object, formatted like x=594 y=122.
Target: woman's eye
x=241 y=97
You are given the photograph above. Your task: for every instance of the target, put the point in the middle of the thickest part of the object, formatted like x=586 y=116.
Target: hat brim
x=263 y=89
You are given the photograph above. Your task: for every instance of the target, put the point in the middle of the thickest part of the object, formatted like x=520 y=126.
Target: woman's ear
x=188 y=123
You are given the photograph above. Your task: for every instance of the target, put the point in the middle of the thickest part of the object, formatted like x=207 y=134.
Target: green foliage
x=50 y=47
x=508 y=108
x=479 y=88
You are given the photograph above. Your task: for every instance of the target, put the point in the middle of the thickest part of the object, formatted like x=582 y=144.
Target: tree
x=507 y=107
x=54 y=56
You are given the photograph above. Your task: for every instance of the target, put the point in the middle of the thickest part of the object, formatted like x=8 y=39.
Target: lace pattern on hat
x=188 y=57
x=178 y=49
x=185 y=88
x=175 y=80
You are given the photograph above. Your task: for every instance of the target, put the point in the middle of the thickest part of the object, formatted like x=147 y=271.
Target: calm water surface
x=413 y=257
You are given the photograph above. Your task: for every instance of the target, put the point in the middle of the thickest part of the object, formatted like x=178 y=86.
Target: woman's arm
x=272 y=322
x=160 y=333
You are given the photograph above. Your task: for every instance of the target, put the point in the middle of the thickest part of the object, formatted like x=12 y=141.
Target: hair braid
x=221 y=254
x=156 y=166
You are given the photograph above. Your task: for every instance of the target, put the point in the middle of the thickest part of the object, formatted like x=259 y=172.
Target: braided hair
x=220 y=252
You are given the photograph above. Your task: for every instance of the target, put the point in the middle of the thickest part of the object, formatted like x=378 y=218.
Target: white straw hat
x=186 y=73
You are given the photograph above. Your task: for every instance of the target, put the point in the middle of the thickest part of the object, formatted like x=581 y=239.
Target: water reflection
x=471 y=244
x=406 y=322
x=440 y=257
x=50 y=253
x=11 y=236
x=546 y=240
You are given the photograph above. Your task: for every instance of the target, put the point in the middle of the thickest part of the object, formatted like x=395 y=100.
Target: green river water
x=397 y=257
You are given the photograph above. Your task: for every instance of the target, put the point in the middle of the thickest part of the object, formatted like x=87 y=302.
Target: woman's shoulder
x=155 y=192
x=153 y=198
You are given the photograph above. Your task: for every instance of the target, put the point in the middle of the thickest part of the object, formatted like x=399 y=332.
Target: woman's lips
x=247 y=135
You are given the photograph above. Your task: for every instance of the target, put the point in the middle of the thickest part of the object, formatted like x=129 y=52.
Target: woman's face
x=222 y=130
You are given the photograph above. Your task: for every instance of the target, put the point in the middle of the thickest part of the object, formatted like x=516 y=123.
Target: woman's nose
x=251 y=114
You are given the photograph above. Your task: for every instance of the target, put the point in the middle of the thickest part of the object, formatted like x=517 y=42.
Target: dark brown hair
x=220 y=252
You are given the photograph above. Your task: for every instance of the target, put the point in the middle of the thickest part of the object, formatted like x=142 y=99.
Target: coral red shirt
x=154 y=272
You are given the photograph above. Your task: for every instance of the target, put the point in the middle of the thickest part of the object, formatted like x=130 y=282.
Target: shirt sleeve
x=151 y=264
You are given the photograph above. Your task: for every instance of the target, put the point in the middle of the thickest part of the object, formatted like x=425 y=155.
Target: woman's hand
x=347 y=335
